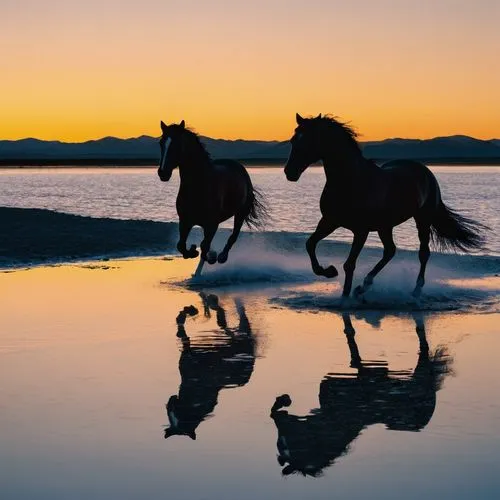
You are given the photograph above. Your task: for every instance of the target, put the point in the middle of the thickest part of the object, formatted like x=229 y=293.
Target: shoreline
x=17 y=163
x=45 y=237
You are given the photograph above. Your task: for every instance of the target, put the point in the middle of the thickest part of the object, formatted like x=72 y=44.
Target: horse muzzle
x=292 y=176
x=293 y=171
x=164 y=176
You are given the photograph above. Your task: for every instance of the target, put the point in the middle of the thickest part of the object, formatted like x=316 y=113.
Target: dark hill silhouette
x=145 y=150
x=457 y=146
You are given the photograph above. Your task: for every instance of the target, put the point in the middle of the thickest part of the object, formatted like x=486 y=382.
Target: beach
x=94 y=352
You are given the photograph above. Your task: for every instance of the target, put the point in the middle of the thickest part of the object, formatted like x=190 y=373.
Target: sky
x=79 y=70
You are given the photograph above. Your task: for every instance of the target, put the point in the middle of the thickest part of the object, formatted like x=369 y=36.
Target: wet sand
x=100 y=362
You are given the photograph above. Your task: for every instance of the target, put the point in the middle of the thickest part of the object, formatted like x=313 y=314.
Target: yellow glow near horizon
x=76 y=70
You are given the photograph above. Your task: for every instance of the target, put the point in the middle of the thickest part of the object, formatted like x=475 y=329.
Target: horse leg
x=350 y=264
x=424 y=233
x=199 y=268
x=423 y=370
x=181 y=330
x=281 y=402
x=351 y=341
x=206 y=254
x=212 y=302
x=323 y=229
x=181 y=319
x=244 y=323
x=420 y=329
x=184 y=230
x=389 y=252
x=238 y=222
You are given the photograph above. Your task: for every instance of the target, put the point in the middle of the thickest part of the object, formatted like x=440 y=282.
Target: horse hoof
x=222 y=258
x=284 y=400
x=190 y=310
x=358 y=291
x=211 y=257
x=330 y=272
x=192 y=253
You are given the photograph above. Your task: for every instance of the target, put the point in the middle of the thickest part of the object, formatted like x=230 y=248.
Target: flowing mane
x=340 y=130
x=197 y=140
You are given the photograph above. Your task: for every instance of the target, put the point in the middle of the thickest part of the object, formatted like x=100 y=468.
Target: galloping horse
x=226 y=360
x=211 y=191
x=349 y=403
x=362 y=197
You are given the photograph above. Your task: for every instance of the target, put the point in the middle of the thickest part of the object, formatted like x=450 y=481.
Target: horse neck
x=344 y=168
x=342 y=160
x=193 y=169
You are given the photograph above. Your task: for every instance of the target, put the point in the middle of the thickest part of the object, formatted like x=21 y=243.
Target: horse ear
x=192 y=435
x=182 y=124
x=318 y=117
x=163 y=126
x=299 y=119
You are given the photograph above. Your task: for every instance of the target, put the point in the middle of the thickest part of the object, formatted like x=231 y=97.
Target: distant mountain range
x=145 y=150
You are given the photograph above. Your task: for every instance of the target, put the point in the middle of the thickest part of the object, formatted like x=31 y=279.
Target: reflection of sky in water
x=90 y=357
x=138 y=194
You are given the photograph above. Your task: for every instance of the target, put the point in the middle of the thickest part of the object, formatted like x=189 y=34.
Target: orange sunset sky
x=78 y=70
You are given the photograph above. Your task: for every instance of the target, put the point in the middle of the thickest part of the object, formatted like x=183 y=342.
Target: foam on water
x=453 y=283
x=268 y=259
x=254 y=264
x=437 y=296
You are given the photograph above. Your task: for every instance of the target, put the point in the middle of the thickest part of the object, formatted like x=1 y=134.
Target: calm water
x=120 y=380
x=138 y=194
x=133 y=386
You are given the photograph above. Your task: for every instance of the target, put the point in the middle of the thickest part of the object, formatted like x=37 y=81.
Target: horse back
x=378 y=197
x=413 y=179
x=223 y=192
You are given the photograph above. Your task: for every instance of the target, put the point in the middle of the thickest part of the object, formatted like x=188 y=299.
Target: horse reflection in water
x=224 y=360
x=402 y=400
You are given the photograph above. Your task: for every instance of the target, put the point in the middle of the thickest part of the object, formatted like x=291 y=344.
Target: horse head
x=305 y=147
x=179 y=426
x=171 y=148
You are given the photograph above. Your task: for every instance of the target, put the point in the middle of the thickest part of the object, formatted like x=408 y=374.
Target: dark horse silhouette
x=211 y=191
x=362 y=197
x=401 y=400
x=226 y=361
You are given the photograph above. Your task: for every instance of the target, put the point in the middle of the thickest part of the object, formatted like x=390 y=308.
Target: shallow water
x=129 y=193
x=86 y=374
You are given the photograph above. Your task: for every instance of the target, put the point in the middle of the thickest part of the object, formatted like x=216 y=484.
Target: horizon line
x=245 y=140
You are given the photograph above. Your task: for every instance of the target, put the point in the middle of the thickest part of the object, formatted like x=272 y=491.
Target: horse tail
x=452 y=231
x=258 y=211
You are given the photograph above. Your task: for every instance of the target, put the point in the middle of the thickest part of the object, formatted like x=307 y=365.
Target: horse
x=363 y=197
x=402 y=400
x=227 y=361
x=211 y=192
